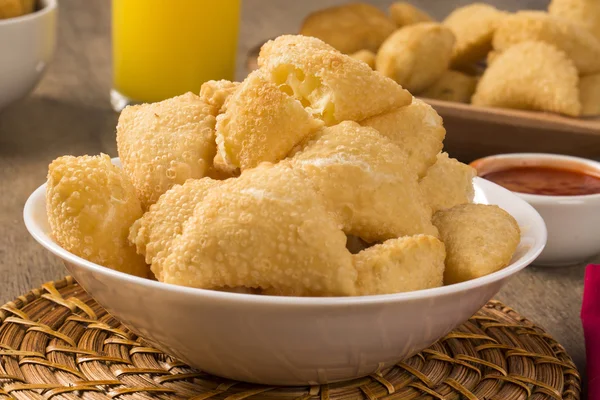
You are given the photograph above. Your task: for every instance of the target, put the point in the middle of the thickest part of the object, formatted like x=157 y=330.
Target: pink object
x=590 y=318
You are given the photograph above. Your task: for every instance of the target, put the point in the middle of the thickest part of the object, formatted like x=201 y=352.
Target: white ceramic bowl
x=573 y=222
x=26 y=47
x=291 y=340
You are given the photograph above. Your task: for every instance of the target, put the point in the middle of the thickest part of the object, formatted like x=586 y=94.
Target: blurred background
x=264 y=19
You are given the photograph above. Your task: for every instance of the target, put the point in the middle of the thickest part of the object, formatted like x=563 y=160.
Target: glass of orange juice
x=164 y=48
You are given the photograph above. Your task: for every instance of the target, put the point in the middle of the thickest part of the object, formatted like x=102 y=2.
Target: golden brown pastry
x=261 y=123
x=416 y=129
x=585 y=13
x=404 y=14
x=154 y=233
x=452 y=86
x=366 y=182
x=521 y=77
x=474 y=26
x=448 y=183
x=479 y=239
x=166 y=143
x=267 y=229
x=365 y=56
x=91 y=205
x=578 y=43
x=332 y=86
x=350 y=27
x=401 y=265
x=216 y=93
x=417 y=55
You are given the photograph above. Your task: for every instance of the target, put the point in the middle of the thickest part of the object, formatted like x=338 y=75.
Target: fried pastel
x=474 y=26
x=349 y=27
x=589 y=93
x=416 y=129
x=479 y=239
x=365 y=56
x=417 y=55
x=332 y=86
x=448 y=183
x=491 y=57
x=91 y=205
x=216 y=93
x=521 y=77
x=585 y=13
x=366 y=182
x=452 y=86
x=404 y=14
x=401 y=265
x=166 y=143
x=577 y=42
x=261 y=123
x=154 y=233
x=267 y=229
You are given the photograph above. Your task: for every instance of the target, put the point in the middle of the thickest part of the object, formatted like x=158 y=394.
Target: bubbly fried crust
x=417 y=55
x=267 y=229
x=416 y=129
x=400 y=265
x=479 y=239
x=366 y=56
x=452 y=86
x=404 y=13
x=366 y=182
x=166 y=143
x=332 y=86
x=350 y=27
x=261 y=124
x=474 y=26
x=520 y=78
x=216 y=93
x=585 y=13
x=448 y=183
x=91 y=205
x=589 y=93
x=154 y=233
x=577 y=42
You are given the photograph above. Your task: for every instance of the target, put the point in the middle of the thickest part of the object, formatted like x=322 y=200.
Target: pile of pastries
x=534 y=60
x=315 y=176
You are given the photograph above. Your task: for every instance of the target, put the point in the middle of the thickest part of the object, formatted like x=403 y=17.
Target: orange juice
x=163 y=48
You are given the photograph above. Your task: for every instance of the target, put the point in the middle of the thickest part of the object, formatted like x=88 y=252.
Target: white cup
x=573 y=222
x=26 y=47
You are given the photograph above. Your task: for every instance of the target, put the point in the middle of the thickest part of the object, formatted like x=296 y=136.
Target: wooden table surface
x=69 y=113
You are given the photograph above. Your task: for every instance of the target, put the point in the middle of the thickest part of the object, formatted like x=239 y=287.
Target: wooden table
x=69 y=113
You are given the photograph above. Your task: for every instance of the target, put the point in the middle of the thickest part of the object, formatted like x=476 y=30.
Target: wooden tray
x=473 y=132
x=57 y=342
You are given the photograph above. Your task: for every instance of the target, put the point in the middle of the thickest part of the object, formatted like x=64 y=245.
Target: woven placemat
x=57 y=342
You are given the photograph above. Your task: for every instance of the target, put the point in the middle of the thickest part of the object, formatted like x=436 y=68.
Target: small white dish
x=573 y=222
x=292 y=340
x=26 y=46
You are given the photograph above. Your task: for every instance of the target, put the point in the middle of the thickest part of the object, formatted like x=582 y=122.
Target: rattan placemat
x=57 y=342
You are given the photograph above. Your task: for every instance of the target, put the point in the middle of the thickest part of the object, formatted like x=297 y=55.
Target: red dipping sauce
x=548 y=181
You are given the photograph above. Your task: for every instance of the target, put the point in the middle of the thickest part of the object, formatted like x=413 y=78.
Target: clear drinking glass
x=164 y=48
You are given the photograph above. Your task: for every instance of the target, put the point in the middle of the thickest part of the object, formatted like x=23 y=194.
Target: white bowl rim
x=531 y=254
x=540 y=198
x=47 y=6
